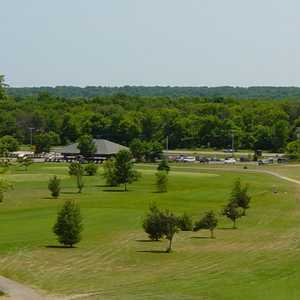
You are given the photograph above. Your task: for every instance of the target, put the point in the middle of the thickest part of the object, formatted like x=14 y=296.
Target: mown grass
x=260 y=260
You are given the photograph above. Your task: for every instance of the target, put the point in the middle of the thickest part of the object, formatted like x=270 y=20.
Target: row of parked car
x=201 y=159
x=228 y=160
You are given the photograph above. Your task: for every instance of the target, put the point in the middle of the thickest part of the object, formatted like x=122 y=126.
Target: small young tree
x=152 y=223
x=244 y=199
x=233 y=212
x=162 y=181
x=240 y=195
x=76 y=170
x=25 y=162
x=123 y=169
x=185 y=222
x=4 y=166
x=208 y=221
x=91 y=169
x=170 y=227
x=68 y=226
x=163 y=165
x=4 y=187
x=109 y=173
x=54 y=186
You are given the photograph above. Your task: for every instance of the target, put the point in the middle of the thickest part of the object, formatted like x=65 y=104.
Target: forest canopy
x=188 y=122
x=162 y=91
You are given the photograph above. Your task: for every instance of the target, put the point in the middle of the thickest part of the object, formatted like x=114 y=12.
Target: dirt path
x=18 y=291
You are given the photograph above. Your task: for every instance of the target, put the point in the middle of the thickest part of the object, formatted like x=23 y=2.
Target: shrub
x=25 y=161
x=162 y=181
x=163 y=166
x=160 y=224
x=68 y=226
x=54 y=186
x=152 y=223
x=4 y=187
x=91 y=169
x=208 y=221
x=185 y=222
x=293 y=149
x=109 y=173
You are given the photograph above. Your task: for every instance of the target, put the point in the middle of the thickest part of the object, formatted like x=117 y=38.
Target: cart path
x=17 y=291
x=272 y=173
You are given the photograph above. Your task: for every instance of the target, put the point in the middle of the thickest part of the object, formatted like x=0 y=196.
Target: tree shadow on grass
x=153 y=251
x=102 y=185
x=69 y=193
x=147 y=241
x=59 y=247
x=226 y=228
x=114 y=191
x=49 y=198
x=201 y=238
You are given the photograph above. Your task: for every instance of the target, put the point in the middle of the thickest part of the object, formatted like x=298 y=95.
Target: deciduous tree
x=208 y=221
x=77 y=170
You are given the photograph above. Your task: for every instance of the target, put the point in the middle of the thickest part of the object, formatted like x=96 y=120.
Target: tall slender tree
x=123 y=169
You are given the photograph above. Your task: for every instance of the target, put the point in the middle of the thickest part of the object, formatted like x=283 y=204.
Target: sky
x=150 y=42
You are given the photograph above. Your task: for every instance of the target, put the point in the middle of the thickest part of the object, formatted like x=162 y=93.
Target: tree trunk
x=169 y=249
x=125 y=187
x=234 y=224
x=212 y=234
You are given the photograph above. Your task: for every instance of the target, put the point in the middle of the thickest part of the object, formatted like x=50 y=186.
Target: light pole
x=31 y=131
x=167 y=147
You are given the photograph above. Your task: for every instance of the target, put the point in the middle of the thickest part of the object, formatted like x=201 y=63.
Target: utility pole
x=232 y=141
x=167 y=147
x=31 y=131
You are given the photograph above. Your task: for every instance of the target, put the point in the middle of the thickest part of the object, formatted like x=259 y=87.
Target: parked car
x=265 y=161
x=202 y=160
x=244 y=159
x=230 y=161
x=229 y=150
x=187 y=159
x=179 y=158
x=282 y=160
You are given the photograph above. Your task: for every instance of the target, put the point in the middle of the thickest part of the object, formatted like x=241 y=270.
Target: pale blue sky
x=150 y=42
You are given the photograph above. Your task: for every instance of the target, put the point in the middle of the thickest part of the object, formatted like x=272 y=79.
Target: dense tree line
x=188 y=122
x=161 y=91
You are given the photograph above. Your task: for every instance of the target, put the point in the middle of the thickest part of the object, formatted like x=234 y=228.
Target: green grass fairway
x=259 y=261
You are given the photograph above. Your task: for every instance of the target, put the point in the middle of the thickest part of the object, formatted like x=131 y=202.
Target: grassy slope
x=259 y=261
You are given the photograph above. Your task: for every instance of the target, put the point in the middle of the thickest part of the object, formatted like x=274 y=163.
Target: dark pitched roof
x=104 y=147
